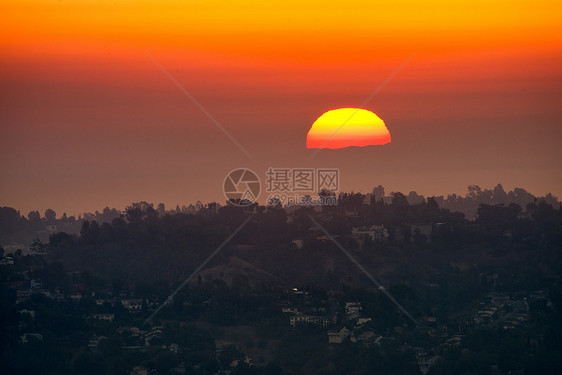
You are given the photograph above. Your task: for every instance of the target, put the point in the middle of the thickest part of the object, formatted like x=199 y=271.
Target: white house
x=337 y=337
x=375 y=232
x=353 y=310
x=308 y=319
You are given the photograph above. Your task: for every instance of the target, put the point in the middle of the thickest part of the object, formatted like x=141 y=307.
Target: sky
x=470 y=91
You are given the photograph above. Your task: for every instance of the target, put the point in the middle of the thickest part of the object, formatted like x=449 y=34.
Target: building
x=298 y=244
x=308 y=319
x=31 y=313
x=106 y=316
x=337 y=337
x=374 y=232
x=367 y=337
x=34 y=336
x=134 y=305
x=290 y=310
x=362 y=321
x=23 y=295
x=94 y=342
x=353 y=310
x=139 y=370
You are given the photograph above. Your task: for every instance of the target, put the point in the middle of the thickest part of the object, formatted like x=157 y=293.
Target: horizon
x=260 y=201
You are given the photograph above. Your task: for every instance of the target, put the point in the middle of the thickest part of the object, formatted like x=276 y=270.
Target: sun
x=346 y=127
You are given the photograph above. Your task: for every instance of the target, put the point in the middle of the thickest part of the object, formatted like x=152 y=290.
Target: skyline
x=89 y=121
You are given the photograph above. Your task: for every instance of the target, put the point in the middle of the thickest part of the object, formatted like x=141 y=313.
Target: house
x=337 y=337
x=102 y=301
x=7 y=261
x=94 y=342
x=57 y=295
x=247 y=360
x=399 y=234
x=434 y=360
x=11 y=248
x=23 y=295
x=134 y=305
x=36 y=284
x=353 y=310
x=308 y=319
x=383 y=341
x=362 y=321
x=104 y=316
x=454 y=341
x=139 y=370
x=290 y=310
x=30 y=312
x=155 y=332
x=298 y=244
x=367 y=337
x=34 y=336
x=375 y=232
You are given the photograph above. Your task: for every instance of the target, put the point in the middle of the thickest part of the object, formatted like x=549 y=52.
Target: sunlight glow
x=346 y=127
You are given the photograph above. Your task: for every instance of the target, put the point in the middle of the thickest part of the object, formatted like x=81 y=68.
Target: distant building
x=104 y=316
x=298 y=244
x=139 y=370
x=11 y=248
x=30 y=312
x=308 y=319
x=26 y=336
x=362 y=321
x=353 y=310
x=133 y=305
x=290 y=310
x=94 y=342
x=367 y=337
x=337 y=337
x=7 y=261
x=23 y=295
x=36 y=284
x=398 y=234
x=155 y=332
x=374 y=232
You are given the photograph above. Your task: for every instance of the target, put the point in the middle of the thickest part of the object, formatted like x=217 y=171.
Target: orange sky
x=87 y=120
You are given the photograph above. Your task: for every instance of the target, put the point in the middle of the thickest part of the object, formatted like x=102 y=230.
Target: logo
x=241 y=187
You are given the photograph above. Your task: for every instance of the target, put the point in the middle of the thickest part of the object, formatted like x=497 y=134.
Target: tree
x=34 y=216
x=399 y=199
x=10 y=221
x=50 y=216
x=474 y=192
x=499 y=195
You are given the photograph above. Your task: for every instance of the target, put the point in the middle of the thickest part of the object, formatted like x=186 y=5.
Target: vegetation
x=66 y=307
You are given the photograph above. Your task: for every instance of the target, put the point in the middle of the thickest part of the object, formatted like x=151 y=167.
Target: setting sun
x=346 y=127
